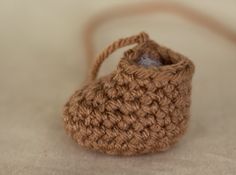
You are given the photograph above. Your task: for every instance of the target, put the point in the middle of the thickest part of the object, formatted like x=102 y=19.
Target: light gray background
x=42 y=62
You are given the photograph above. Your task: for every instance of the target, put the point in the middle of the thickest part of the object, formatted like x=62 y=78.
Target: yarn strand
x=113 y=47
x=145 y=8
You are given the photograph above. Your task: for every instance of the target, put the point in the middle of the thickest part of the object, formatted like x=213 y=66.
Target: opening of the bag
x=150 y=54
x=152 y=60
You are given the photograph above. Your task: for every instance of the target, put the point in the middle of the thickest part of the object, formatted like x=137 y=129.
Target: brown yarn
x=177 y=9
x=135 y=109
x=114 y=46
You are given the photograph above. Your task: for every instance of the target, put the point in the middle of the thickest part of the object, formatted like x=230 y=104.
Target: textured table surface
x=42 y=62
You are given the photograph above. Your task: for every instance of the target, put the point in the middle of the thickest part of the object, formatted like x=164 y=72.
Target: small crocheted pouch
x=141 y=107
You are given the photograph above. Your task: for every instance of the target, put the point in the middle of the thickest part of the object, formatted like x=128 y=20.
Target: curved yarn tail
x=145 y=8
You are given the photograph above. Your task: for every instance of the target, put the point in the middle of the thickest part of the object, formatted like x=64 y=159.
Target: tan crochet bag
x=135 y=109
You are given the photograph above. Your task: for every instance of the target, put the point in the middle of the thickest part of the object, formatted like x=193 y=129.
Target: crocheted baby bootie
x=141 y=107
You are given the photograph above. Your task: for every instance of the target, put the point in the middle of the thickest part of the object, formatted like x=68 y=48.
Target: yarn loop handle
x=136 y=39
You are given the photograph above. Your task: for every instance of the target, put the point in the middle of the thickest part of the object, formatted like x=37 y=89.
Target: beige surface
x=42 y=63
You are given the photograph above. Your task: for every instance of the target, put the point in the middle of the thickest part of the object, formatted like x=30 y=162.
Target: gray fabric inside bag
x=146 y=61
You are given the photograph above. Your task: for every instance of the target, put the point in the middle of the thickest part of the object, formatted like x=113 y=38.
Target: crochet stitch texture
x=135 y=109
